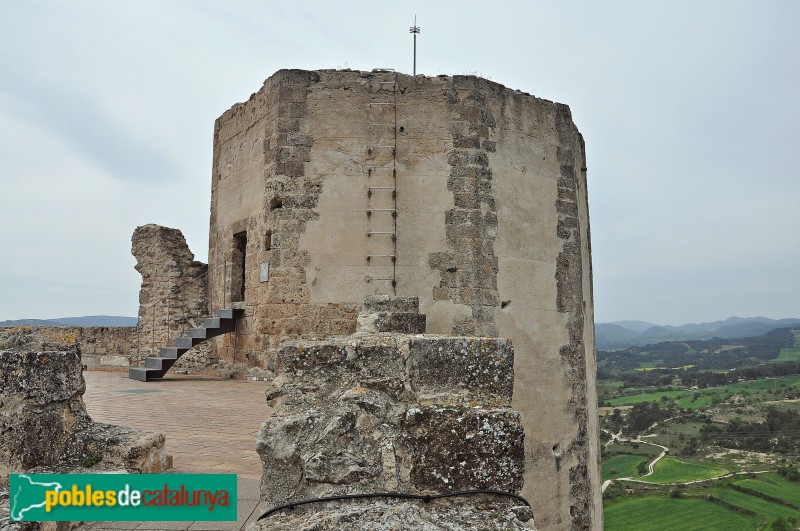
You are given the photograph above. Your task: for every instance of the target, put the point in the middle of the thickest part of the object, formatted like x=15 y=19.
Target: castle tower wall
x=485 y=189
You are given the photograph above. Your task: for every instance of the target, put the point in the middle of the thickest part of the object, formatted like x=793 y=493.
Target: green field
x=655 y=513
x=775 y=486
x=670 y=470
x=791 y=353
x=764 y=508
x=704 y=397
x=622 y=466
x=653 y=396
x=788 y=354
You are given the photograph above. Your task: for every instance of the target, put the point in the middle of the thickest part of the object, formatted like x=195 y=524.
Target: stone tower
x=329 y=186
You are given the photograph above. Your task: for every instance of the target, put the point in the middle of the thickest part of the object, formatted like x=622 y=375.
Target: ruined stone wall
x=172 y=297
x=44 y=427
x=44 y=424
x=100 y=346
x=491 y=226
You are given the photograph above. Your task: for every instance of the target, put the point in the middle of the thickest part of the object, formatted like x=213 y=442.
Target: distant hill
x=89 y=320
x=621 y=334
x=635 y=326
x=611 y=333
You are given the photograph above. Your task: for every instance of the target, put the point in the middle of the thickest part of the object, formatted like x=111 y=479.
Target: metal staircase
x=156 y=368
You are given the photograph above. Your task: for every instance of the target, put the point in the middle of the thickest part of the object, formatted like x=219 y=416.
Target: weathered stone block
x=41 y=378
x=402 y=323
x=452 y=449
x=387 y=303
x=378 y=413
x=476 y=513
x=451 y=370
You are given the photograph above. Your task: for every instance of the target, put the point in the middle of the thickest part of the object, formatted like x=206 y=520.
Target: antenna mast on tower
x=415 y=29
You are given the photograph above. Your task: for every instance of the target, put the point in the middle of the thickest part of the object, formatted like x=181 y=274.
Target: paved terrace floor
x=210 y=425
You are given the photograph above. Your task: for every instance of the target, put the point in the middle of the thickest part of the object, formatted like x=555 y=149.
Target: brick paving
x=210 y=424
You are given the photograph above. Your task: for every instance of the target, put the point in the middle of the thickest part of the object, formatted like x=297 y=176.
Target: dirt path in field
x=650 y=466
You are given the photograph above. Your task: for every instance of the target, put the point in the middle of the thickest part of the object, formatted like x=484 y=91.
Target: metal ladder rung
x=370 y=173
x=371 y=256
x=370 y=210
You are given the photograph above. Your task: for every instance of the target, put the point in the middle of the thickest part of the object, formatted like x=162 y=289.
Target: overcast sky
x=690 y=111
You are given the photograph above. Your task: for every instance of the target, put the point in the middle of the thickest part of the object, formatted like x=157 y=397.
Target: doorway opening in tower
x=239 y=259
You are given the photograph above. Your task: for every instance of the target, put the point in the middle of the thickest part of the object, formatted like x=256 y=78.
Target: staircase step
x=161 y=364
x=226 y=313
x=143 y=374
x=198 y=332
x=185 y=342
x=211 y=322
x=172 y=352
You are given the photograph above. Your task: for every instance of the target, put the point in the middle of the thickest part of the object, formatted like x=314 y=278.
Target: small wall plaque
x=264 y=272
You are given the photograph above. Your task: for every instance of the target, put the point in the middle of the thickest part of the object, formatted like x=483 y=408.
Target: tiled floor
x=210 y=425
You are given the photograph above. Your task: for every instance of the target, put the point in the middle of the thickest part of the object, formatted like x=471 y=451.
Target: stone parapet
x=392 y=412
x=100 y=346
x=44 y=426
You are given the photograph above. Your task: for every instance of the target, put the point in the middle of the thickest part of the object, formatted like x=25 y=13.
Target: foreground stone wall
x=393 y=412
x=484 y=191
x=172 y=297
x=44 y=424
x=44 y=427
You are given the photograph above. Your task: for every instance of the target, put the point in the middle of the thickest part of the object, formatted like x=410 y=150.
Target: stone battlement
x=393 y=412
